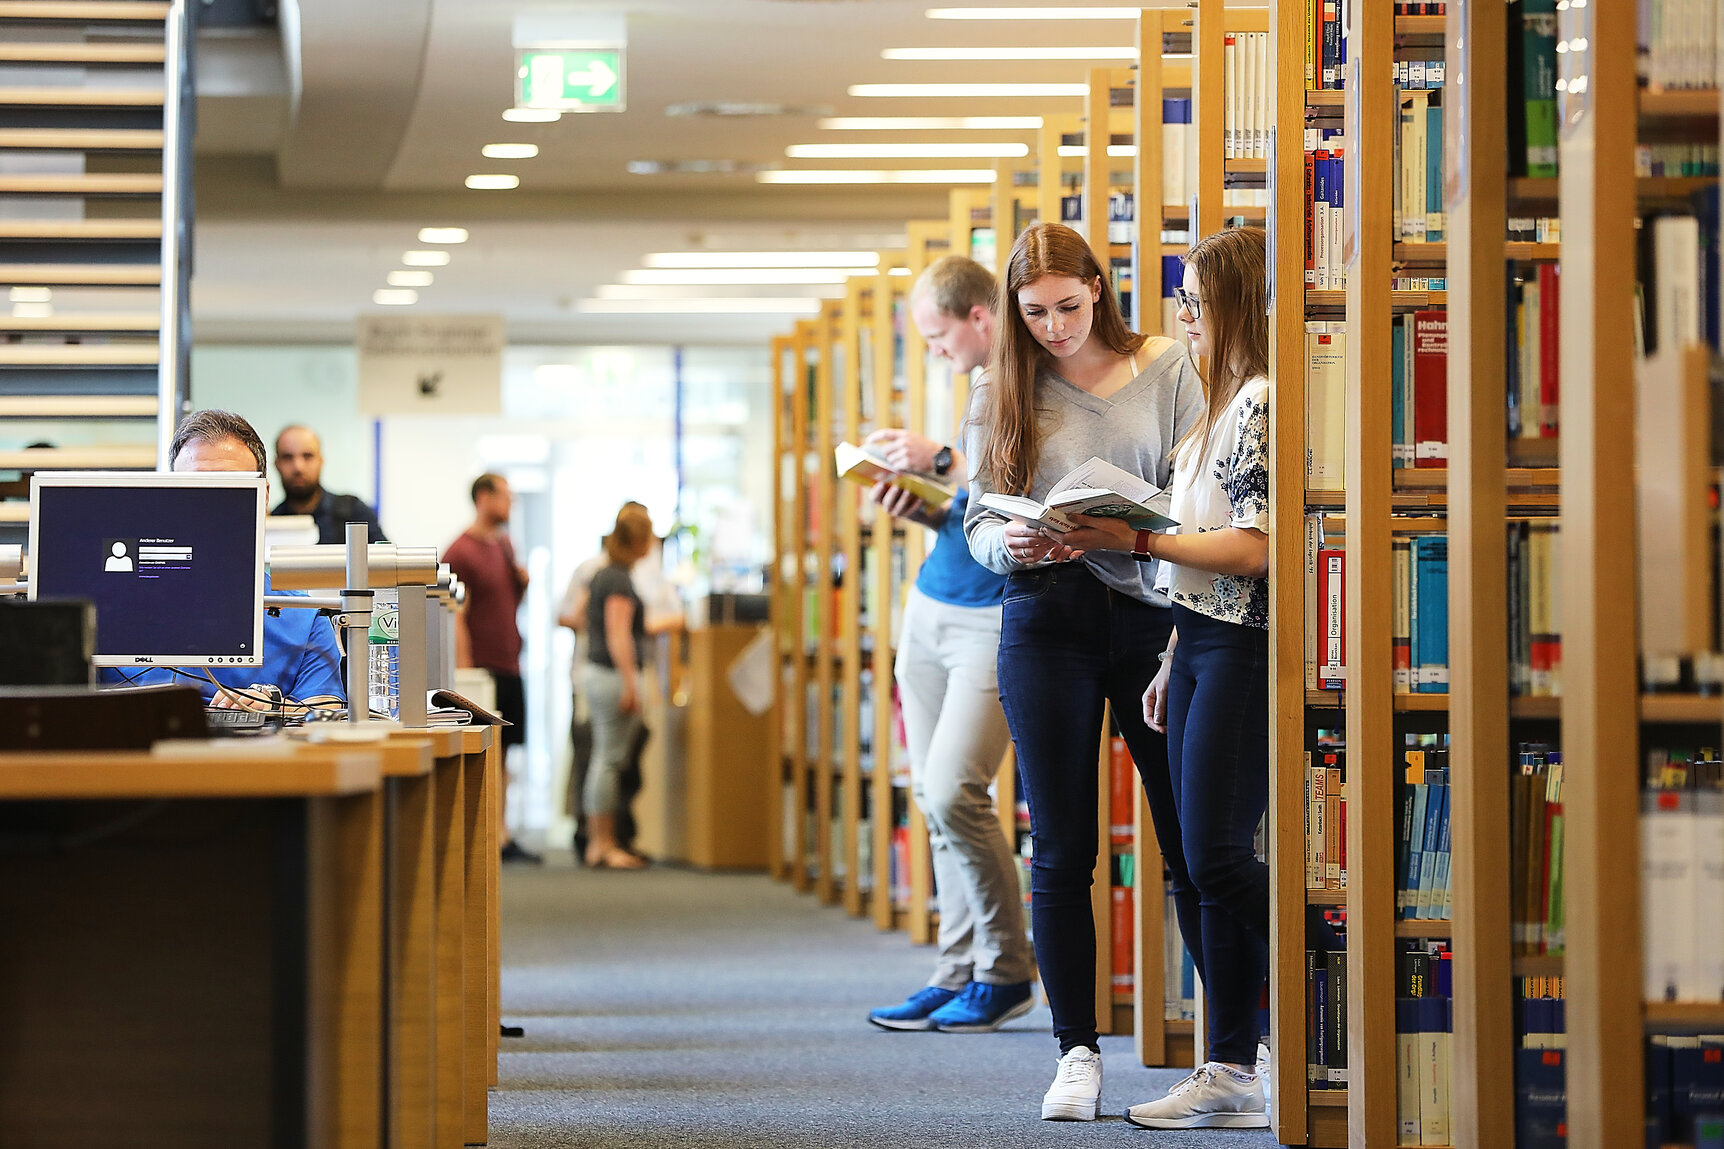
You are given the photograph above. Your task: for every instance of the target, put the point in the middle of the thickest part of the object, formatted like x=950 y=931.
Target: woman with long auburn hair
x=1211 y=695
x=1081 y=621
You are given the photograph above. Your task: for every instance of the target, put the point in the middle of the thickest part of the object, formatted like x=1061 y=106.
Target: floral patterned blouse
x=1226 y=485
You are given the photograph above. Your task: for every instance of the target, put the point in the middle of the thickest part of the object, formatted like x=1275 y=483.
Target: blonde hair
x=1008 y=414
x=957 y=285
x=1233 y=285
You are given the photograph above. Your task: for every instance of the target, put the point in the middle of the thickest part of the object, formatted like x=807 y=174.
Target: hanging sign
x=430 y=364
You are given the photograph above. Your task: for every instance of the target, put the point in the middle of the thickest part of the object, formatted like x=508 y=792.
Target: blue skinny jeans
x=1218 y=757
x=1067 y=643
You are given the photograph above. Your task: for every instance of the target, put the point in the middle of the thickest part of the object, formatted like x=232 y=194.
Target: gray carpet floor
x=675 y=1009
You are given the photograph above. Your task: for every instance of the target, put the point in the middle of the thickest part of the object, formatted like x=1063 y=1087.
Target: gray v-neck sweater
x=1135 y=429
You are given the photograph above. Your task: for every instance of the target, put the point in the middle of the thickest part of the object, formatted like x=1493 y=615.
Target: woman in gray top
x=1081 y=623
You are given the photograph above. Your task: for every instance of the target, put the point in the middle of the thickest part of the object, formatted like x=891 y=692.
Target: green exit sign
x=571 y=80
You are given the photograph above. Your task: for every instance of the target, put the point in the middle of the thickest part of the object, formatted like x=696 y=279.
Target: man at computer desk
x=301 y=655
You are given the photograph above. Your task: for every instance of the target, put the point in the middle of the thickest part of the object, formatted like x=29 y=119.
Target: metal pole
x=170 y=362
x=356 y=627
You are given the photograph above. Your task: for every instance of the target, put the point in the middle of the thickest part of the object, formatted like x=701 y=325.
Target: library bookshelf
x=1582 y=480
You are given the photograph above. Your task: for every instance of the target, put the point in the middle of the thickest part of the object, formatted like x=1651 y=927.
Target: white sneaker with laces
x=1263 y=1073
x=1075 y=1094
x=1213 y=1097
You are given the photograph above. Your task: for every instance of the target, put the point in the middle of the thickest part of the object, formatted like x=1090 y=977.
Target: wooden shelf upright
x=855 y=323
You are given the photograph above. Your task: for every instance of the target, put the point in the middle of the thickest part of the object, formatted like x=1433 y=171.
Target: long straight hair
x=1008 y=414
x=1233 y=285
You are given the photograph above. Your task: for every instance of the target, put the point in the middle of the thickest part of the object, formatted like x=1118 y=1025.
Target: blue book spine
x=1433 y=833
x=1441 y=901
x=1434 y=174
x=1416 y=848
x=1511 y=354
x=1435 y=587
x=1541 y=1099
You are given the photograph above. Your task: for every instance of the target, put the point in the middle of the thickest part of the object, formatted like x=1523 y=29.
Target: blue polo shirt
x=301 y=654
x=950 y=574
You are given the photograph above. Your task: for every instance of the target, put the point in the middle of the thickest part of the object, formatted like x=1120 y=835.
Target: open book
x=1094 y=488
x=861 y=465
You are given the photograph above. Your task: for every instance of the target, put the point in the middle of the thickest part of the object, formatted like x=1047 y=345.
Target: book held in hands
x=1095 y=488
x=861 y=465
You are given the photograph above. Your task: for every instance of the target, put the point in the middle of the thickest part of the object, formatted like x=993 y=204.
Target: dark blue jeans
x=1218 y=756
x=1068 y=642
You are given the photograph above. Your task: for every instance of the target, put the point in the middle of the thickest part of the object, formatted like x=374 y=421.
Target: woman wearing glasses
x=1081 y=621
x=1211 y=695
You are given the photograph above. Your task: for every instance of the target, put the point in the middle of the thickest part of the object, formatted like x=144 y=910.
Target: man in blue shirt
x=953 y=724
x=301 y=656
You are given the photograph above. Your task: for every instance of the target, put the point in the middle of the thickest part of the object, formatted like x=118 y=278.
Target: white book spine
x=1667 y=906
x=1709 y=871
x=1429 y=1122
x=1407 y=1088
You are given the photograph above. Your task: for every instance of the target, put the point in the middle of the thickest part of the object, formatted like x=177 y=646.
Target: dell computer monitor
x=173 y=561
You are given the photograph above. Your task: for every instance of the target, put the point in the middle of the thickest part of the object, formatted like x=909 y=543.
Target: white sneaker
x=1075 y=1094
x=1265 y=1076
x=1214 y=1097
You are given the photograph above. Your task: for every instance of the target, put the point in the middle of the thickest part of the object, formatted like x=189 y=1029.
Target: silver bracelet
x=1163 y=656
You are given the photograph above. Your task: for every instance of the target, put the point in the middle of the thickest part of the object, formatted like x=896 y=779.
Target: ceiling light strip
x=929 y=123
x=906 y=151
x=968 y=91
x=906 y=176
x=1022 y=54
x=1032 y=13
x=758 y=306
x=761 y=259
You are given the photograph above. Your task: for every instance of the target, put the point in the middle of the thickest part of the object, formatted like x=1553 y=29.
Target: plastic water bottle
x=385 y=653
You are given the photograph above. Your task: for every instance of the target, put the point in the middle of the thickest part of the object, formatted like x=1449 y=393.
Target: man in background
x=486 y=633
x=299 y=462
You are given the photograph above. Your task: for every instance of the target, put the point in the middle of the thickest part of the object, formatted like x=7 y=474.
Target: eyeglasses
x=1188 y=302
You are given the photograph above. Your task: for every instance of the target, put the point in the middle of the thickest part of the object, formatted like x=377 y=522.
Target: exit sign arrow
x=586 y=79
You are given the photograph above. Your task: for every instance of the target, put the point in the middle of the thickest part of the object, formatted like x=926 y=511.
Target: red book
x=1124 y=941
x=1549 y=345
x=1430 y=389
x=1332 y=614
x=1122 y=795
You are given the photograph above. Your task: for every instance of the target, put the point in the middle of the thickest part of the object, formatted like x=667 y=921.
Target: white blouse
x=1226 y=485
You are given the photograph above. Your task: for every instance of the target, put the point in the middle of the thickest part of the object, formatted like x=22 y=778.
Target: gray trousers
x=613 y=735
x=956 y=733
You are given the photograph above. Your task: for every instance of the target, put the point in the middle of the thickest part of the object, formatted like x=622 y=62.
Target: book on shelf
x=1123 y=788
x=1325 y=405
x=1325 y=820
x=1332 y=605
x=1535 y=850
x=1676 y=45
x=1532 y=29
x=1682 y=876
x=1430 y=389
x=1534 y=359
x=1424 y=1025
x=1325 y=161
x=1096 y=488
x=1124 y=934
x=1245 y=115
x=1423 y=889
x=1685 y=1090
x=862 y=465
x=1179 y=971
x=1178 y=151
x=1534 y=608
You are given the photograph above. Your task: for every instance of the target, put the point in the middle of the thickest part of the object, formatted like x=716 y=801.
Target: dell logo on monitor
x=142 y=658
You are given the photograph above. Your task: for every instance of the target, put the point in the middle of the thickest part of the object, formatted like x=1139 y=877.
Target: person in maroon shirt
x=486 y=633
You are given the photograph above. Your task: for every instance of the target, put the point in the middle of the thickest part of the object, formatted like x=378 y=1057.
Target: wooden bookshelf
x=1601 y=742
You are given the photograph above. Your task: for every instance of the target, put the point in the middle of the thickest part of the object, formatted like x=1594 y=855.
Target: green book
x=1538 y=46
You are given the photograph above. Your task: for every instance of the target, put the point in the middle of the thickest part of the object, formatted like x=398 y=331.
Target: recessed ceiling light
x=718 y=290
x=1042 y=53
x=905 y=151
x=732 y=275
x=531 y=115
x=757 y=306
x=1112 y=150
x=930 y=123
x=389 y=297
x=761 y=259
x=509 y=151
x=29 y=295
x=910 y=176
x=425 y=258
x=724 y=108
x=32 y=310
x=442 y=235
x=410 y=279
x=695 y=167
x=1032 y=13
x=969 y=90
x=493 y=182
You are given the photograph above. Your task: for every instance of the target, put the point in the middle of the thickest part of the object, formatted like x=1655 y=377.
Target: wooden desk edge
x=307 y=773
x=475 y=739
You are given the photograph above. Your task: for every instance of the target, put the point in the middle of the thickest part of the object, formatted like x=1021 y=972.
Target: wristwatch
x=942 y=461
x=1140 y=548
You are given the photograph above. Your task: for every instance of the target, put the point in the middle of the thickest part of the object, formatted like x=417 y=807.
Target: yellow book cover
x=862 y=466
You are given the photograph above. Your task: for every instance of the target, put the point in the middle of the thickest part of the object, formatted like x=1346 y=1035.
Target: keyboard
x=224 y=722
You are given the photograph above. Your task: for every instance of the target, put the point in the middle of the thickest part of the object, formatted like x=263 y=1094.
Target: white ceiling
x=306 y=204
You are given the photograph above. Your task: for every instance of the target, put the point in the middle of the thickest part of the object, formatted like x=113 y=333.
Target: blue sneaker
x=983 y=1008
x=914 y=1011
